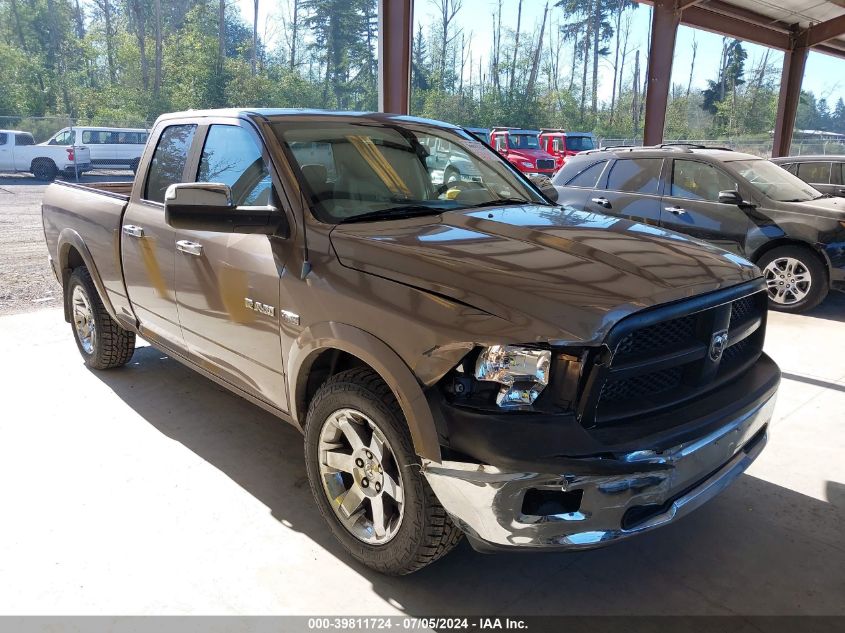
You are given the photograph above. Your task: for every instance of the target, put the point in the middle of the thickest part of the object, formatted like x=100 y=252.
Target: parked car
x=449 y=163
x=111 y=148
x=465 y=358
x=522 y=149
x=19 y=153
x=562 y=144
x=739 y=202
x=825 y=173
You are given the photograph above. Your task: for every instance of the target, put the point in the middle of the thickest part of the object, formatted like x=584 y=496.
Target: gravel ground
x=26 y=281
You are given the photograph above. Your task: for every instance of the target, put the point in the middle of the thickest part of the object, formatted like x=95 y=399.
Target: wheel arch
x=73 y=253
x=329 y=342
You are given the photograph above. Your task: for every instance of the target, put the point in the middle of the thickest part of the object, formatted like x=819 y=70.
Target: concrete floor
x=151 y=490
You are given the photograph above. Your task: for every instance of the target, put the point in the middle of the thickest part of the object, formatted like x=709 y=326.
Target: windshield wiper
x=393 y=213
x=502 y=202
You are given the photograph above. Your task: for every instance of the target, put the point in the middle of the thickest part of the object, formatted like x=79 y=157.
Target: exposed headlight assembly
x=523 y=373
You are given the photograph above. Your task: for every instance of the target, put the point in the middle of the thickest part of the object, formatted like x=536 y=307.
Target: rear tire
x=44 y=169
x=101 y=341
x=414 y=532
x=795 y=278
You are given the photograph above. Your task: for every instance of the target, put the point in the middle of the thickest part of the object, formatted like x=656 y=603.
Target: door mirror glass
x=730 y=197
x=208 y=206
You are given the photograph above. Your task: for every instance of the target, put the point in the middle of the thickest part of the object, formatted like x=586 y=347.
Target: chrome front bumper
x=487 y=503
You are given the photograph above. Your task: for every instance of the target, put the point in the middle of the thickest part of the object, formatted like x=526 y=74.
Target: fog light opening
x=543 y=502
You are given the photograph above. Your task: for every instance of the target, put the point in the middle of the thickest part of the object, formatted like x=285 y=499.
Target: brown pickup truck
x=462 y=357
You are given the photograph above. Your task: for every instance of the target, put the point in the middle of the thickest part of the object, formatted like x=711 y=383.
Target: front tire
x=101 y=341
x=366 y=478
x=796 y=280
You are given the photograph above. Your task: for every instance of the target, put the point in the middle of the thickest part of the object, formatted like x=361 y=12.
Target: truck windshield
x=775 y=182
x=523 y=141
x=376 y=170
x=579 y=143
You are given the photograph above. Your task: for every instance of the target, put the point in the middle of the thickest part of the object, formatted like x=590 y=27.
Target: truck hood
x=556 y=273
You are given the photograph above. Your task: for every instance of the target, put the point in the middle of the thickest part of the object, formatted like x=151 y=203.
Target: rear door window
x=24 y=139
x=635 y=175
x=4 y=138
x=168 y=164
x=816 y=172
x=837 y=174
x=588 y=177
x=693 y=180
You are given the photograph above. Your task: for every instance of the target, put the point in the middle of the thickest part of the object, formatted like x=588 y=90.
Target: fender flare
x=378 y=355
x=68 y=238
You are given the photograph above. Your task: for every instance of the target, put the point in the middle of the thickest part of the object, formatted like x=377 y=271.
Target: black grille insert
x=671 y=354
x=545 y=163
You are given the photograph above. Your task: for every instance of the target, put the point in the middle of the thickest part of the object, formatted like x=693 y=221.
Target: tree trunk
x=635 y=101
x=158 y=49
x=515 y=49
x=596 y=46
x=497 y=44
x=221 y=51
x=586 y=55
x=692 y=63
x=294 y=30
x=136 y=7
x=619 y=11
x=107 y=18
x=18 y=28
x=255 y=38
x=535 y=66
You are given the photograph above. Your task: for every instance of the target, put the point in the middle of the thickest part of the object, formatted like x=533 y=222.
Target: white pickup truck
x=19 y=153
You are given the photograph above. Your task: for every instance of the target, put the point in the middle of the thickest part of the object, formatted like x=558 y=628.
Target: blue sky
x=824 y=74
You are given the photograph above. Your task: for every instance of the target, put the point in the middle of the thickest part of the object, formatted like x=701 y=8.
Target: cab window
x=62 y=138
x=168 y=164
x=24 y=139
x=230 y=156
x=699 y=181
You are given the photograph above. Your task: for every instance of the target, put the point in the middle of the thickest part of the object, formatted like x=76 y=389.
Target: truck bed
x=88 y=218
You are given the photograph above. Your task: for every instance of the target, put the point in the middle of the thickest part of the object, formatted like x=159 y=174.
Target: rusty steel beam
x=395 y=33
x=716 y=22
x=664 y=30
x=822 y=32
x=792 y=75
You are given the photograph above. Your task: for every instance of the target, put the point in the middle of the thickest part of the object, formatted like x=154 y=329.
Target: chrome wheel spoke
x=379 y=526
x=337 y=460
x=352 y=501
x=349 y=428
x=392 y=489
x=377 y=447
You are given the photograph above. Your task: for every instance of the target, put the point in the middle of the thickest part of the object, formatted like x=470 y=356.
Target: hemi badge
x=290 y=317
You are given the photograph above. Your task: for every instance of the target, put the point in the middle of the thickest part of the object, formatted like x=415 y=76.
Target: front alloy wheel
x=788 y=280
x=360 y=476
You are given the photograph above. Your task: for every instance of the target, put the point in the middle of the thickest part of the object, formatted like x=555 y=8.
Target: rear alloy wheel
x=101 y=341
x=795 y=279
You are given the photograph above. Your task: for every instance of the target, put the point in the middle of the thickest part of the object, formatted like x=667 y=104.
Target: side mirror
x=730 y=197
x=208 y=206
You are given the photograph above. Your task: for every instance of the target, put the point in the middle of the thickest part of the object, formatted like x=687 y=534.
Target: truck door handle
x=602 y=202
x=676 y=210
x=189 y=248
x=133 y=231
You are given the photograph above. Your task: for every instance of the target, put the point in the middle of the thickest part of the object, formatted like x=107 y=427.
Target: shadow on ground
x=758 y=549
x=833 y=307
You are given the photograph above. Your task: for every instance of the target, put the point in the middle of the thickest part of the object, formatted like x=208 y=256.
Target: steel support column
x=792 y=75
x=395 y=33
x=664 y=29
